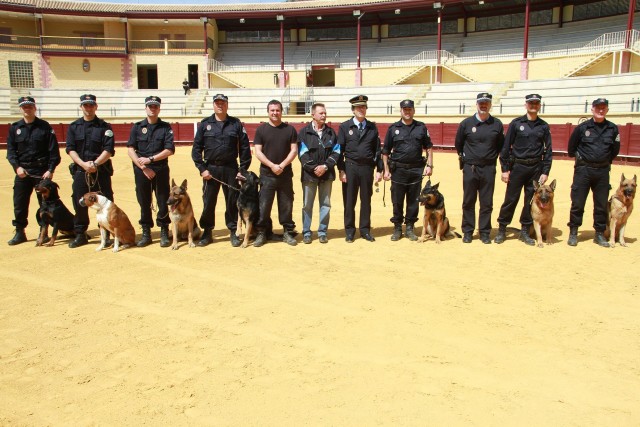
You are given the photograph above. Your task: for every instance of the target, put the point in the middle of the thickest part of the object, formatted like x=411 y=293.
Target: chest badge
x=474 y=130
x=521 y=128
x=397 y=132
x=587 y=133
x=144 y=131
x=19 y=131
x=350 y=132
x=208 y=127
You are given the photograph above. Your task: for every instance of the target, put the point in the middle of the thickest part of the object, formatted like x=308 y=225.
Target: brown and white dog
x=620 y=207
x=110 y=218
x=542 y=211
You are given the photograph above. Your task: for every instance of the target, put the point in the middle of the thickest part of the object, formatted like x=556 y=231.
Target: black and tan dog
x=248 y=204
x=542 y=212
x=52 y=212
x=620 y=207
x=182 y=215
x=435 y=221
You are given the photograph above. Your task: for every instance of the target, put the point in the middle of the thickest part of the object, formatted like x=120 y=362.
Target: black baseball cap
x=26 y=100
x=220 y=97
x=407 y=103
x=599 y=101
x=152 y=100
x=87 y=99
x=484 y=97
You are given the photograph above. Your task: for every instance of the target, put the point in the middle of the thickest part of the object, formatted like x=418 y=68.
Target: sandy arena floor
x=384 y=333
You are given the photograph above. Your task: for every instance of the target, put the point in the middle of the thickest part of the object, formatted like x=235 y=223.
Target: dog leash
x=219 y=181
x=384 y=188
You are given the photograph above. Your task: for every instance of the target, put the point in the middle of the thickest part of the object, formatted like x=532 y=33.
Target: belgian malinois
x=619 y=209
x=182 y=216
x=542 y=211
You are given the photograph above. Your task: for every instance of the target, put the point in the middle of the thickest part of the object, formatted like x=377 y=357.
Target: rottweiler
x=248 y=203
x=435 y=222
x=620 y=207
x=52 y=212
x=542 y=211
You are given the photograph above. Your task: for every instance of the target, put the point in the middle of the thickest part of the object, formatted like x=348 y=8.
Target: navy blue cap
x=533 y=97
x=359 y=100
x=600 y=101
x=484 y=97
x=220 y=97
x=152 y=100
x=26 y=100
x=407 y=103
x=87 y=99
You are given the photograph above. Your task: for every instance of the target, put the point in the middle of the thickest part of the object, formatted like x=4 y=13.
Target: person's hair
x=316 y=105
x=274 y=102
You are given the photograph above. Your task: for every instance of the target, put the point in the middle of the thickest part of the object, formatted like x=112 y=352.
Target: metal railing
x=166 y=47
x=83 y=44
x=13 y=42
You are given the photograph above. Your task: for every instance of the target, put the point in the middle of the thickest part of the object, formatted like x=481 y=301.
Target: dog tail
x=454 y=234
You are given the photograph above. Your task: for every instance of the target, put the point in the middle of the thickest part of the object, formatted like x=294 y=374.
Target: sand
x=383 y=333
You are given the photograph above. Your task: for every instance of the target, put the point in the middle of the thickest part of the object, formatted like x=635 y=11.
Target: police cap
x=360 y=100
x=152 y=100
x=533 y=97
x=220 y=97
x=407 y=103
x=599 y=101
x=484 y=97
x=26 y=100
x=87 y=99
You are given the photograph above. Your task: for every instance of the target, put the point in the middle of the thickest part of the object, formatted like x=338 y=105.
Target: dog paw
x=48 y=244
x=99 y=248
x=174 y=247
x=540 y=245
x=622 y=244
x=192 y=245
x=115 y=250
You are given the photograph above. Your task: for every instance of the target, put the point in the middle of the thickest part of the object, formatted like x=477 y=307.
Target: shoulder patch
x=53 y=132
x=171 y=131
x=618 y=138
x=244 y=130
x=109 y=133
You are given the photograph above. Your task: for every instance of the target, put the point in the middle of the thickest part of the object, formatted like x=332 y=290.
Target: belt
x=481 y=162
x=36 y=164
x=361 y=162
x=596 y=165
x=221 y=163
x=409 y=165
x=531 y=161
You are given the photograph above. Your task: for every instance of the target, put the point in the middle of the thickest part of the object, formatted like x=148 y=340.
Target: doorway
x=193 y=76
x=321 y=75
x=147 y=76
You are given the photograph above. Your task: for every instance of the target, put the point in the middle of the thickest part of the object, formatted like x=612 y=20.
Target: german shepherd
x=248 y=204
x=52 y=212
x=182 y=216
x=435 y=222
x=620 y=207
x=542 y=211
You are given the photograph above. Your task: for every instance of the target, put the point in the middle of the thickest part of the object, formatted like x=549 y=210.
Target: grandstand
x=314 y=51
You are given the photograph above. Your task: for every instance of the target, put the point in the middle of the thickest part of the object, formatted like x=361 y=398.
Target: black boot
x=19 y=237
x=600 y=240
x=524 y=236
x=206 y=238
x=80 y=240
x=235 y=241
x=261 y=239
x=164 y=236
x=409 y=233
x=397 y=233
x=145 y=239
x=573 y=236
x=502 y=234
x=288 y=238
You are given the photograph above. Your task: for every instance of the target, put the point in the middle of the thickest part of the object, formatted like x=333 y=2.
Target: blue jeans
x=309 y=190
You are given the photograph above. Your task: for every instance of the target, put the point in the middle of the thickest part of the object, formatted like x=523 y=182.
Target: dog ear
x=634 y=178
x=56 y=184
x=622 y=178
x=536 y=185
x=173 y=182
x=435 y=187
x=553 y=185
x=184 y=184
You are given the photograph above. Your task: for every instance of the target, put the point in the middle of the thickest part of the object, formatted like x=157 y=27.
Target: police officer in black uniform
x=219 y=142
x=359 y=155
x=405 y=166
x=526 y=156
x=479 y=141
x=149 y=146
x=594 y=143
x=32 y=151
x=90 y=145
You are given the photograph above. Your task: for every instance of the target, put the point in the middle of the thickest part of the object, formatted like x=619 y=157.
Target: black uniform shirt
x=150 y=139
x=527 y=139
x=479 y=142
x=361 y=148
x=221 y=143
x=595 y=143
x=90 y=138
x=33 y=146
x=406 y=143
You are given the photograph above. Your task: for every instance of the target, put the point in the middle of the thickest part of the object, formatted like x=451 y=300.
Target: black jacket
x=525 y=142
x=220 y=144
x=98 y=138
x=594 y=143
x=148 y=142
x=34 y=148
x=314 y=151
x=363 y=149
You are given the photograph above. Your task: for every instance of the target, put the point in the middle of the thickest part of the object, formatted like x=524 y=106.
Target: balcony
x=97 y=45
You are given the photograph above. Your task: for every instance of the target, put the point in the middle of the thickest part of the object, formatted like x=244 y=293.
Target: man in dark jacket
x=32 y=151
x=319 y=152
